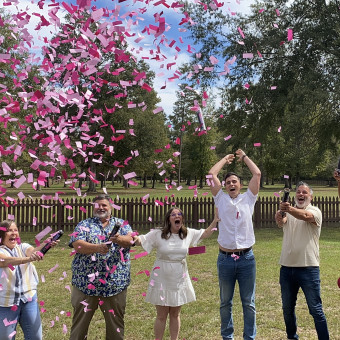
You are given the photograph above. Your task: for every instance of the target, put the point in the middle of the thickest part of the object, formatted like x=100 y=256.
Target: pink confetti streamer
x=290 y=34
x=53 y=268
x=137 y=256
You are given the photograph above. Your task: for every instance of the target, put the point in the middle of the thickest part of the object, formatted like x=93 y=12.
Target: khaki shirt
x=300 y=244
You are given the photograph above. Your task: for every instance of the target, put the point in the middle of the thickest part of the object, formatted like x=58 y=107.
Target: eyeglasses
x=178 y=214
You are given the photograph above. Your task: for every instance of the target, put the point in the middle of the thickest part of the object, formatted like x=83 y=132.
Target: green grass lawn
x=160 y=191
x=200 y=319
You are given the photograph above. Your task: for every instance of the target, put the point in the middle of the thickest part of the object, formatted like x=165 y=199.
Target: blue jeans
x=27 y=315
x=242 y=270
x=308 y=278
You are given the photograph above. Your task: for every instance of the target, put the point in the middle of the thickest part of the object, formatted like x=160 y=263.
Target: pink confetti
x=257 y=144
x=241 y=32
x=290 y=34
x=43 y=233
x=137 y=256
x=129 y=175
x=53 y=268
x=196 y=250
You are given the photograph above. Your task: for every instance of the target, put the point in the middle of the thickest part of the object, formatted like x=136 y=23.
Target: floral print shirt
x=96 y=274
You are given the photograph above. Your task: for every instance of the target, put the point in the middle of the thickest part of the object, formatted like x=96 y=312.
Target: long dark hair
x=166 y=230
x=4 y=224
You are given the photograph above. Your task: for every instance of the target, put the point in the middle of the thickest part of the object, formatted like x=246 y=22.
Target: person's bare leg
x=160 y=322
x=175 y=322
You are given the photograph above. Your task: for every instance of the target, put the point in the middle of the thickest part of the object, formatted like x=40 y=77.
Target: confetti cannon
x=285 y=199
x=48 y=245
x=114 y=232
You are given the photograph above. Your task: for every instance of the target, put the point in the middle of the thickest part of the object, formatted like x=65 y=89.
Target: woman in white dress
x=170 y=286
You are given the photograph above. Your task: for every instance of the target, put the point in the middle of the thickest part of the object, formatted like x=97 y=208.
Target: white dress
x=170 y=284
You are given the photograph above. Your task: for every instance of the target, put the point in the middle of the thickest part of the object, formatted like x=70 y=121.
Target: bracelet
x=242 y=158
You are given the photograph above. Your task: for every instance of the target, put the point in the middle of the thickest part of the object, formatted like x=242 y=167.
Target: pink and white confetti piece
x=7 y=323
x=43 y=233
x=53 y=268
x=129 y=175
x=228 y=137
x=257 y=144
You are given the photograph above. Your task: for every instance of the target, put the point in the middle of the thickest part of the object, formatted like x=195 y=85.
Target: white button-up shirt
x=236 y=226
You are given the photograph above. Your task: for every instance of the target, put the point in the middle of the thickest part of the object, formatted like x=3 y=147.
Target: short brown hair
x=5 y=225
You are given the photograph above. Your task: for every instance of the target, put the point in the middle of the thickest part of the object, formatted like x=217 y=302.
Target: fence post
x=60 y=215
x=129 y=212
x=257 y=213
x=194 y=212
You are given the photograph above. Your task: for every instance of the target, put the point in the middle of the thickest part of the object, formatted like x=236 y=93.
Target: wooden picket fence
x=36 y=215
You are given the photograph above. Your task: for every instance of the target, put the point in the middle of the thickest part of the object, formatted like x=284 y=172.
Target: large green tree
x=281 y=69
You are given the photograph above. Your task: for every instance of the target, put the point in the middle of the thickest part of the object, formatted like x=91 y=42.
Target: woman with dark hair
x=18 y=283
x=170 y=286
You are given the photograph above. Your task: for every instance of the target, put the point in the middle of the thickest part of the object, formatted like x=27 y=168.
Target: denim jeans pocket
x=249 y=255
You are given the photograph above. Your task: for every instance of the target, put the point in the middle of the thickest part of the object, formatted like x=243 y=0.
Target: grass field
x=200 y=319
x=160 y=191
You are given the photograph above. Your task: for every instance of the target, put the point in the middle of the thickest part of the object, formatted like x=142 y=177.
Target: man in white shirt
x=236 y=261
x=300 y=260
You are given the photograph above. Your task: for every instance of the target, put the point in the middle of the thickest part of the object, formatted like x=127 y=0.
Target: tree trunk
x=92 y=185
x=201 y=182
x=145 y=184
x=153 y=181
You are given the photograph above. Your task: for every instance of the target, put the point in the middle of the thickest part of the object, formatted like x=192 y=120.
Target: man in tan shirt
x=300 y=260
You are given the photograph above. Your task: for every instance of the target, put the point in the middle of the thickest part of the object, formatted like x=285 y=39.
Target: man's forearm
x=302 y=214
x=218 y=166
x=86 y=248
x=253 y=168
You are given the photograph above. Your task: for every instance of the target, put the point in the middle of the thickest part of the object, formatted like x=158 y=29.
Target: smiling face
x=233 y=186
x=303 y=196
x=102 y=209
x=176 y=221
x=11 y=236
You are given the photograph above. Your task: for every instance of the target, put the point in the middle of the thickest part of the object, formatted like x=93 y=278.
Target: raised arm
x=213 y=224
x=254 y=183
x=215 y=184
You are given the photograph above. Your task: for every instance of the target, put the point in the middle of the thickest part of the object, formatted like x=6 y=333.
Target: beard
x=102 y=214
x=304 y=204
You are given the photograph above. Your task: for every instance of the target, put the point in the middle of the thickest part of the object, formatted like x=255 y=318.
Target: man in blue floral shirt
x=100 y=271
